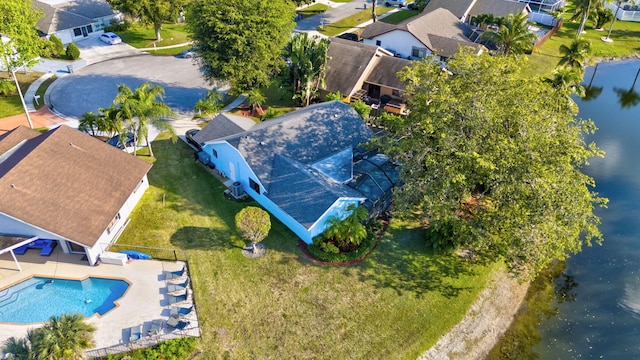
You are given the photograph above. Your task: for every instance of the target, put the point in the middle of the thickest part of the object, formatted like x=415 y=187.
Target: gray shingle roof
x=456 y=7
x=346 y=64
x=223 y=125
x=386 y=70
x=281 y=152
x=70 y=14
x=67 y=182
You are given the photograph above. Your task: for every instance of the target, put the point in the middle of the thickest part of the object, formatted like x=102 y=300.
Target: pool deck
x=145 y=300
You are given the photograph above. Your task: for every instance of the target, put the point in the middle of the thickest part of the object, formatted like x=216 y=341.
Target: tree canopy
x=150 y=12
x=253 y=223
x=308 y=68
x=513 y=36
x=18 y=22
x=493 y=161
x=241 y=40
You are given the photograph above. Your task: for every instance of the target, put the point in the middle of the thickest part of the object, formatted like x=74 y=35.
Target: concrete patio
x=145 y=300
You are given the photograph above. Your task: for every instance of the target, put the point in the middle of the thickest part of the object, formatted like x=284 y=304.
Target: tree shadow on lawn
x=404 y=261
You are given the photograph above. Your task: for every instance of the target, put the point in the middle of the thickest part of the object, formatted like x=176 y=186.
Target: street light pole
x=24 y=105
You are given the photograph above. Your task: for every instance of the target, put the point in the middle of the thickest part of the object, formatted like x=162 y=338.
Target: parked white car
x=110 y=38
x=398 y=3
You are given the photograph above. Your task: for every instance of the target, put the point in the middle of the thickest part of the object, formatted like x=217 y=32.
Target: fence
x=156 y=253
x=548 y=35
x=543 y=18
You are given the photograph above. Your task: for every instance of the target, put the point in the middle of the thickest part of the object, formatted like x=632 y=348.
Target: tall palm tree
x=142 y=108
x=308 y=65
x=575 y=54
x=89 y=123
x=584 y=8
x=513 y=37
x=63 y=337
x=211 y=104
x=615 y=16
x=566 y=80
x=256 y=98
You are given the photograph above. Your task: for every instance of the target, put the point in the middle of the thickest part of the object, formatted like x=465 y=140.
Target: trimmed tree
x=495 y=172
x=254 y=224
x=241 y=40
x=150 y=12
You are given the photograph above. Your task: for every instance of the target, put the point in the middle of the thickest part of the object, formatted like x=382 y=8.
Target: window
x=214 y=152
x=89 y=29
x=378 y=43
x=77 y=32
x=112 y=223
x=419 y=52
x=395 y=92
x=254 y=186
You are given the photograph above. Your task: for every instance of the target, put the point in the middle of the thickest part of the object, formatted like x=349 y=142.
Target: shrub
x=115 y=27
x=174 y=349
x=333 y=96
x=57 y=47
x=269 y=114
x=73 y=52
x=366 y=246
x=7 y=87
x=362 y=109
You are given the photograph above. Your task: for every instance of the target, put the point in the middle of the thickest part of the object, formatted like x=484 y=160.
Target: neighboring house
x=362 y=71
x=73 y=20
x=305 y=166
x=464 y=10
x=66 y=186
x=438 y=33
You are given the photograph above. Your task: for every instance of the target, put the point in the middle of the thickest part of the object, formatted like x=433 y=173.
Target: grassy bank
x=11 y=105
x=140 y=36
x=396 y=304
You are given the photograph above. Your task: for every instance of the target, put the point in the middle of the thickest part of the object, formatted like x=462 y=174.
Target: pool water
x=36 y=299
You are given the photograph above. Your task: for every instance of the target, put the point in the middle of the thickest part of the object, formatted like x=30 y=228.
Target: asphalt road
x=95 y=86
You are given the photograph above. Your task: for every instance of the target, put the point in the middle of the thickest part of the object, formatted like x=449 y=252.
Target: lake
x=590 y=307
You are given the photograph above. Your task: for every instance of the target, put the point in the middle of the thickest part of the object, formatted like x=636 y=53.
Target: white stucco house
x=67 y=187
x=303 y=167
x=73 y=20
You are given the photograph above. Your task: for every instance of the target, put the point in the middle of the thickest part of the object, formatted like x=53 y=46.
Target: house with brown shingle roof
x=66 y=186
x=438 y=33
x=73 y=20
x=356 y=70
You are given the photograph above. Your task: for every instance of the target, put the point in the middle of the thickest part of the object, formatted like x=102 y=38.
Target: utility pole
x=24 y=105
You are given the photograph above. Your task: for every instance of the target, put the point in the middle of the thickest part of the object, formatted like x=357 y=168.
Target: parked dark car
x=349 y=36
x=189 y=136
x=115 y=141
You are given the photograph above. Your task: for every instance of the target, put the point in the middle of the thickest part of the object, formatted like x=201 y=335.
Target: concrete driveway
x=95 y=86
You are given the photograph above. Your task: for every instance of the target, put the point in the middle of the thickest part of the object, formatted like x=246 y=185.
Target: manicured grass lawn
x=11 y=105
x=625 y=35
x=43 y=89
x=399 y=16
x=351 y=21
x=170 y=52
x=314 y=9
x=140 y=36
x=394 y=305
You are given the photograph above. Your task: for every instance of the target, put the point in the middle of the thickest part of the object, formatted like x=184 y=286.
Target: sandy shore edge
x=485 y=322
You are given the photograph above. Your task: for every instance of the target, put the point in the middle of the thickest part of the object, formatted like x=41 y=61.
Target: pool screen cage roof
x=374 y=176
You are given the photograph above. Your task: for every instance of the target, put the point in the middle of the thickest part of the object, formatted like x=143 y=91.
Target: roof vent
x=13 y=186
x=262 y=143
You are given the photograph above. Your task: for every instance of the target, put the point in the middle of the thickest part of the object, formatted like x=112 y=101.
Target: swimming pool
x=36 y=299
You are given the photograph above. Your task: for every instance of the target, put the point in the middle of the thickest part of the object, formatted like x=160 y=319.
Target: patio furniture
x=46 y=247
x=156 y=325
x=176 y=274
x=177 y=299
x=135 y=333
x=179 y=312
x=172 y=288
x=177 y=324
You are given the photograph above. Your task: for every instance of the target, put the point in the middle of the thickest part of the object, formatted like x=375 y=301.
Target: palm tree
x=143 y=107
x=308 y=65
x=18 y=348
x=584 y=8
x=618 y=2
x=513 y=37
x=601 y=16
x=575 y=54
x=211 y=104
x=348 y=232
x=566 y=80
x=89 y=123
x=63 y=337
x=256 y=99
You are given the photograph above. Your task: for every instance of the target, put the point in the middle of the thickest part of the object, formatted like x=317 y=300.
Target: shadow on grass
x=201 y=238
x=404 y=262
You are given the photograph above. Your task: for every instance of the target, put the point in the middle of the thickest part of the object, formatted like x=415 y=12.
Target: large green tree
x=143 y=107
x=575 y=55
x=493 y=161
x=513 y=36
x=241 y=40
x=151 y=12
x=308 y=65
x=18 y=21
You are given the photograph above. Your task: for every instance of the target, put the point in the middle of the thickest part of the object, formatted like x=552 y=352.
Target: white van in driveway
x=398 y=3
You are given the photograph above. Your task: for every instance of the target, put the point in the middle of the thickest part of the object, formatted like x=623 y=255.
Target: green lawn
x=140 y=36
x=42 y=90
x=11 y=105
x=314 y=9
x=351 y=21
x=399 y=16
x=170 y=52
x=394 y=305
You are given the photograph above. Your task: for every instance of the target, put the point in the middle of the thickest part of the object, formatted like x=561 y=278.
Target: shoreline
x=485 y=322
